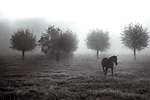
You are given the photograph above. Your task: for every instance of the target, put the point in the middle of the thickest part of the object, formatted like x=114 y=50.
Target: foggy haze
x=79 y=16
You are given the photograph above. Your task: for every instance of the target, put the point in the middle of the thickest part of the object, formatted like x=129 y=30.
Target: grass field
x=79 y=78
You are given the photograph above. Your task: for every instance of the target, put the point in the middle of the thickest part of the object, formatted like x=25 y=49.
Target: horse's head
x=115 y=59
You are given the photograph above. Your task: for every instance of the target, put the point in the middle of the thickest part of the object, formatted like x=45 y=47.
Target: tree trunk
x=134 y=54
x=97 y=53
x=23 y=54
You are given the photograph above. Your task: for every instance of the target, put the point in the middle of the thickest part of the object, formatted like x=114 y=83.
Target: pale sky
x=109 y=15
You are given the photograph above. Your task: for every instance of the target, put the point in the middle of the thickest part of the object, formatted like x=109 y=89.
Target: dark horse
x=109 y=63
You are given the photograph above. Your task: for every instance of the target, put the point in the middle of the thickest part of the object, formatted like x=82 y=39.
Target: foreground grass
x=80 y=78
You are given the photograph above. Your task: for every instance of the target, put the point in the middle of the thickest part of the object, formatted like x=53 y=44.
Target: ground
x=79 y=78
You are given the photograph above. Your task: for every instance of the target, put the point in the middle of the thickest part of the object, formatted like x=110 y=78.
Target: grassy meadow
x=79 y=78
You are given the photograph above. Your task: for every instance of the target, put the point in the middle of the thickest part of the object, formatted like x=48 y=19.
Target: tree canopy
x=48 y=41
x=135 y=37
x=68 y=41
x=23 y=40
x=55 y=40
x=98 y=40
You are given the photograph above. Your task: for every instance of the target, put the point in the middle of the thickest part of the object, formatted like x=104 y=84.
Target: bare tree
x=98 y=40
x=23 y=41
x=135 y=37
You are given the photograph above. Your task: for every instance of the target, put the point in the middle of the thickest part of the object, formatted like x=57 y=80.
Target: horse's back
x=104 y=62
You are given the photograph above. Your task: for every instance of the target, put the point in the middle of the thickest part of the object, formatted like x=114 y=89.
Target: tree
x=135 y=37
x=98 y=40
x=23 y=41
x=68 y=42
x=48 y=41
x=55 y=41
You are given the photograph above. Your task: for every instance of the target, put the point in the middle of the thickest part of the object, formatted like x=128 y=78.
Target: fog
x=79 y=16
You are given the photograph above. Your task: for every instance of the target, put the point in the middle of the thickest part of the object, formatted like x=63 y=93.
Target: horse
x=109 y=63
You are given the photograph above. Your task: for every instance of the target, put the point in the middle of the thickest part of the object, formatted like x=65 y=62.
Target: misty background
x=79 y=16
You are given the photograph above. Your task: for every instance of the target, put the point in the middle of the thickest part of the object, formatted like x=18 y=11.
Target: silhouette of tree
x=68 y=42
x=55 y=41
x=98 y=40
x=135 y=37
x=48 y=41
x=23 y=41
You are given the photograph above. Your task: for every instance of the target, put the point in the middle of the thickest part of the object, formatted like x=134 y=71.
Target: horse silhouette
x=109 y=63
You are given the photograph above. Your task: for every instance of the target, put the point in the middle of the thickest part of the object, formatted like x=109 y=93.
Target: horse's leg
x=106 y=71
x=112 y=71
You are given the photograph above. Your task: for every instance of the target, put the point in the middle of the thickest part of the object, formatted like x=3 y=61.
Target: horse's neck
x=110 y=61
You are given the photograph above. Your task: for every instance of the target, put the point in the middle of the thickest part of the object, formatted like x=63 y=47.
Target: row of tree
x=55 y=41
x=133 y=36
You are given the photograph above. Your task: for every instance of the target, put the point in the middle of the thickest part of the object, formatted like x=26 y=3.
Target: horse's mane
x=111 y=57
